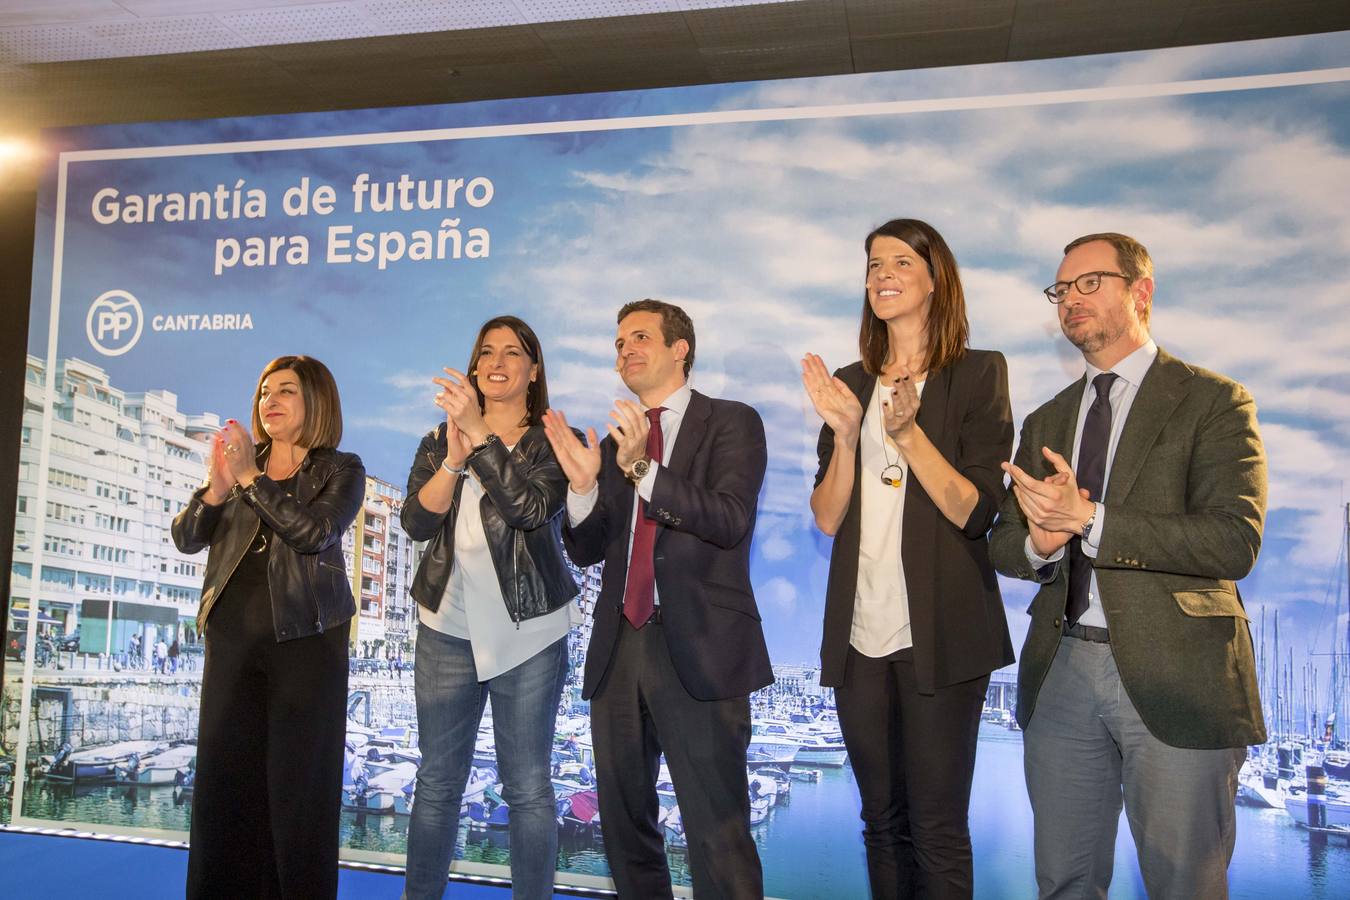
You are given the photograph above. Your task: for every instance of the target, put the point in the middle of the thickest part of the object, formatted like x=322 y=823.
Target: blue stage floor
x=34 y=866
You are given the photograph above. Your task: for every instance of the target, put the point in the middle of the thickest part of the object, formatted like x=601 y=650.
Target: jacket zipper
x=515 y=579
x=309 y=587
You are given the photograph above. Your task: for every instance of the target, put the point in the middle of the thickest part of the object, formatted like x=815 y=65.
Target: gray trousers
x=1086 y=750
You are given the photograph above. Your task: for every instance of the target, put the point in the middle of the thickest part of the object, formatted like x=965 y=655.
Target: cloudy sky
x=754 y=223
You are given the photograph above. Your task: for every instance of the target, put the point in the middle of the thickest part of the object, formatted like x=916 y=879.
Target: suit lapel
x=1159 y=395
x=932 y=414
x=863 y=386
x=690 y=436
x=693 y=426
x=1062 y=425
x=933 y=403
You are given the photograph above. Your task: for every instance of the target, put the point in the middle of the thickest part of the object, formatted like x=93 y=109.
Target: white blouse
x=881 y=605
x=472 y=607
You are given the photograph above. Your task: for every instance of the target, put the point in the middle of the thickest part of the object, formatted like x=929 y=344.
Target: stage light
x=15 y=153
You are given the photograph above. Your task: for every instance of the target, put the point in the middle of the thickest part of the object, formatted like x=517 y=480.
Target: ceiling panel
x=145 y=37
x=769 y=26
x=609 y=38
x=34 y=12
x=35 y=44
x=554 y=10
x=298 y=24
x=144 y=8
x=411 y=16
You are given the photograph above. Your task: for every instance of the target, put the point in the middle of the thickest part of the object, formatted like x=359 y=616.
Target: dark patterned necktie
x=1091 y=473
x=640 y=591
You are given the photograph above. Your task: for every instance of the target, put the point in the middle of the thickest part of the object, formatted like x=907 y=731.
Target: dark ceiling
x=765 y=41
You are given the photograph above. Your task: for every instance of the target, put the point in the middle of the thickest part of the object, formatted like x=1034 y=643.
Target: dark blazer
x=522 y=509
x=306 y=573
x=957 y=621
x=704 y=505
x=1185 y=504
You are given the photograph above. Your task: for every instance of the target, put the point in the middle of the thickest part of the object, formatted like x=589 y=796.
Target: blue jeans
x=450 y=703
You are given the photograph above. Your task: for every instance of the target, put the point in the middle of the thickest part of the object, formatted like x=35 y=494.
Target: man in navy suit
x=667 y=501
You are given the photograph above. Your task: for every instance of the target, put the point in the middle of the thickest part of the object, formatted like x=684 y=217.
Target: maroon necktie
x=639 y=592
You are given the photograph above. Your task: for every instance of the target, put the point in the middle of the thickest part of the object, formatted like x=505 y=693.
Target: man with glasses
x=1138 y=497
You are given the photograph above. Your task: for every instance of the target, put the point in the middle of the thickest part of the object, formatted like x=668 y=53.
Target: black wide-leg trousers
x=269 y=758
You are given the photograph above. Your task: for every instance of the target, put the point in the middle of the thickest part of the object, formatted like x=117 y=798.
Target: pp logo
x=114 y=323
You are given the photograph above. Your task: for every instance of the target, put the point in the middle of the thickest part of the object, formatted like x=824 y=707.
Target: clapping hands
x=832 y=400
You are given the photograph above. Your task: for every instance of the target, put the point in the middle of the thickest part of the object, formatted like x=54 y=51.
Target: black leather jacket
x=307 y=577
x=522 y=511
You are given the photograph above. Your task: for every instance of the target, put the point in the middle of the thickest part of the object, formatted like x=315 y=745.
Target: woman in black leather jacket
x=275 y=605
x=493 y=594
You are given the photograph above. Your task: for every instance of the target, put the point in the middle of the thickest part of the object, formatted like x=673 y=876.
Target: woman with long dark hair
x=493 y=593
x=908 y=484
x=275 y=605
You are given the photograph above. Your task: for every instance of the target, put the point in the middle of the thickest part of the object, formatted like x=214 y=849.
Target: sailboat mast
x=1343 y=720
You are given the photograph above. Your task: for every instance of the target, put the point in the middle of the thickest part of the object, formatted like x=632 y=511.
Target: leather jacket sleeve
x=418 y=523
x=527 y=487
x=318 y=525
x=192 y=528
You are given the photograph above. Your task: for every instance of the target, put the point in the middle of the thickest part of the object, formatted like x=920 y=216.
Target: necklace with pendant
x=892 y=474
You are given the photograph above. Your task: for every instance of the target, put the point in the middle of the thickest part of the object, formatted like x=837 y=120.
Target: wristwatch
x=1091 y=520
x=639 y=470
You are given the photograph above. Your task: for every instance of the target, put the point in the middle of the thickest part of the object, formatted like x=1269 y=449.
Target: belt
x=654 y=620
x=1088 y=633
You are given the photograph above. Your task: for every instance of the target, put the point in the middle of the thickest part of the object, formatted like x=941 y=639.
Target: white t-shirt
x=881 y=604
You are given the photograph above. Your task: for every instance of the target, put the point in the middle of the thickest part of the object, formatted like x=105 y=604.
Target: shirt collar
x=1133 y=367
x=677 y=402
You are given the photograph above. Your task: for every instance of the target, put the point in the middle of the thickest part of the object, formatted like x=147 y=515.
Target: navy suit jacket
x=704 y=504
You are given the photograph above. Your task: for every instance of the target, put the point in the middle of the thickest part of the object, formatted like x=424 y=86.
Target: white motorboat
x=1329 y=810
x=771 y=750
x=158 y=768
x=96 y=763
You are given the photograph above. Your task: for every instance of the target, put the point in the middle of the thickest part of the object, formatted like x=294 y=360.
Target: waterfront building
x=95 y=522
x=382 y=560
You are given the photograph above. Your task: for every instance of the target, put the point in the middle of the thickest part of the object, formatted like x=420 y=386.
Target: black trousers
x=640 y=710
x=913 y=756
x=269 y=758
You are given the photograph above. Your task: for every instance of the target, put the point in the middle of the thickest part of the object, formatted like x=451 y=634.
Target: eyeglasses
x=1087 y=283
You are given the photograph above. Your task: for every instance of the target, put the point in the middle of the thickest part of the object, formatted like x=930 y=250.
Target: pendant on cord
x=895 y=480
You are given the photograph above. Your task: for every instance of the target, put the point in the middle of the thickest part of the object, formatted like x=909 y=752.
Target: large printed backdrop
x=747 y=205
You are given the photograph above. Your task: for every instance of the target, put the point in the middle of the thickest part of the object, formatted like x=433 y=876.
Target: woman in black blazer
x=914 y=621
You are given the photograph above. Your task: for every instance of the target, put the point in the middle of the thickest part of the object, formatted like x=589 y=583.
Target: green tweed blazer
x=1185 y=505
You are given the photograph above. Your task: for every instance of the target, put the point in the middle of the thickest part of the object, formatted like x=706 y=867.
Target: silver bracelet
x=445 y=464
